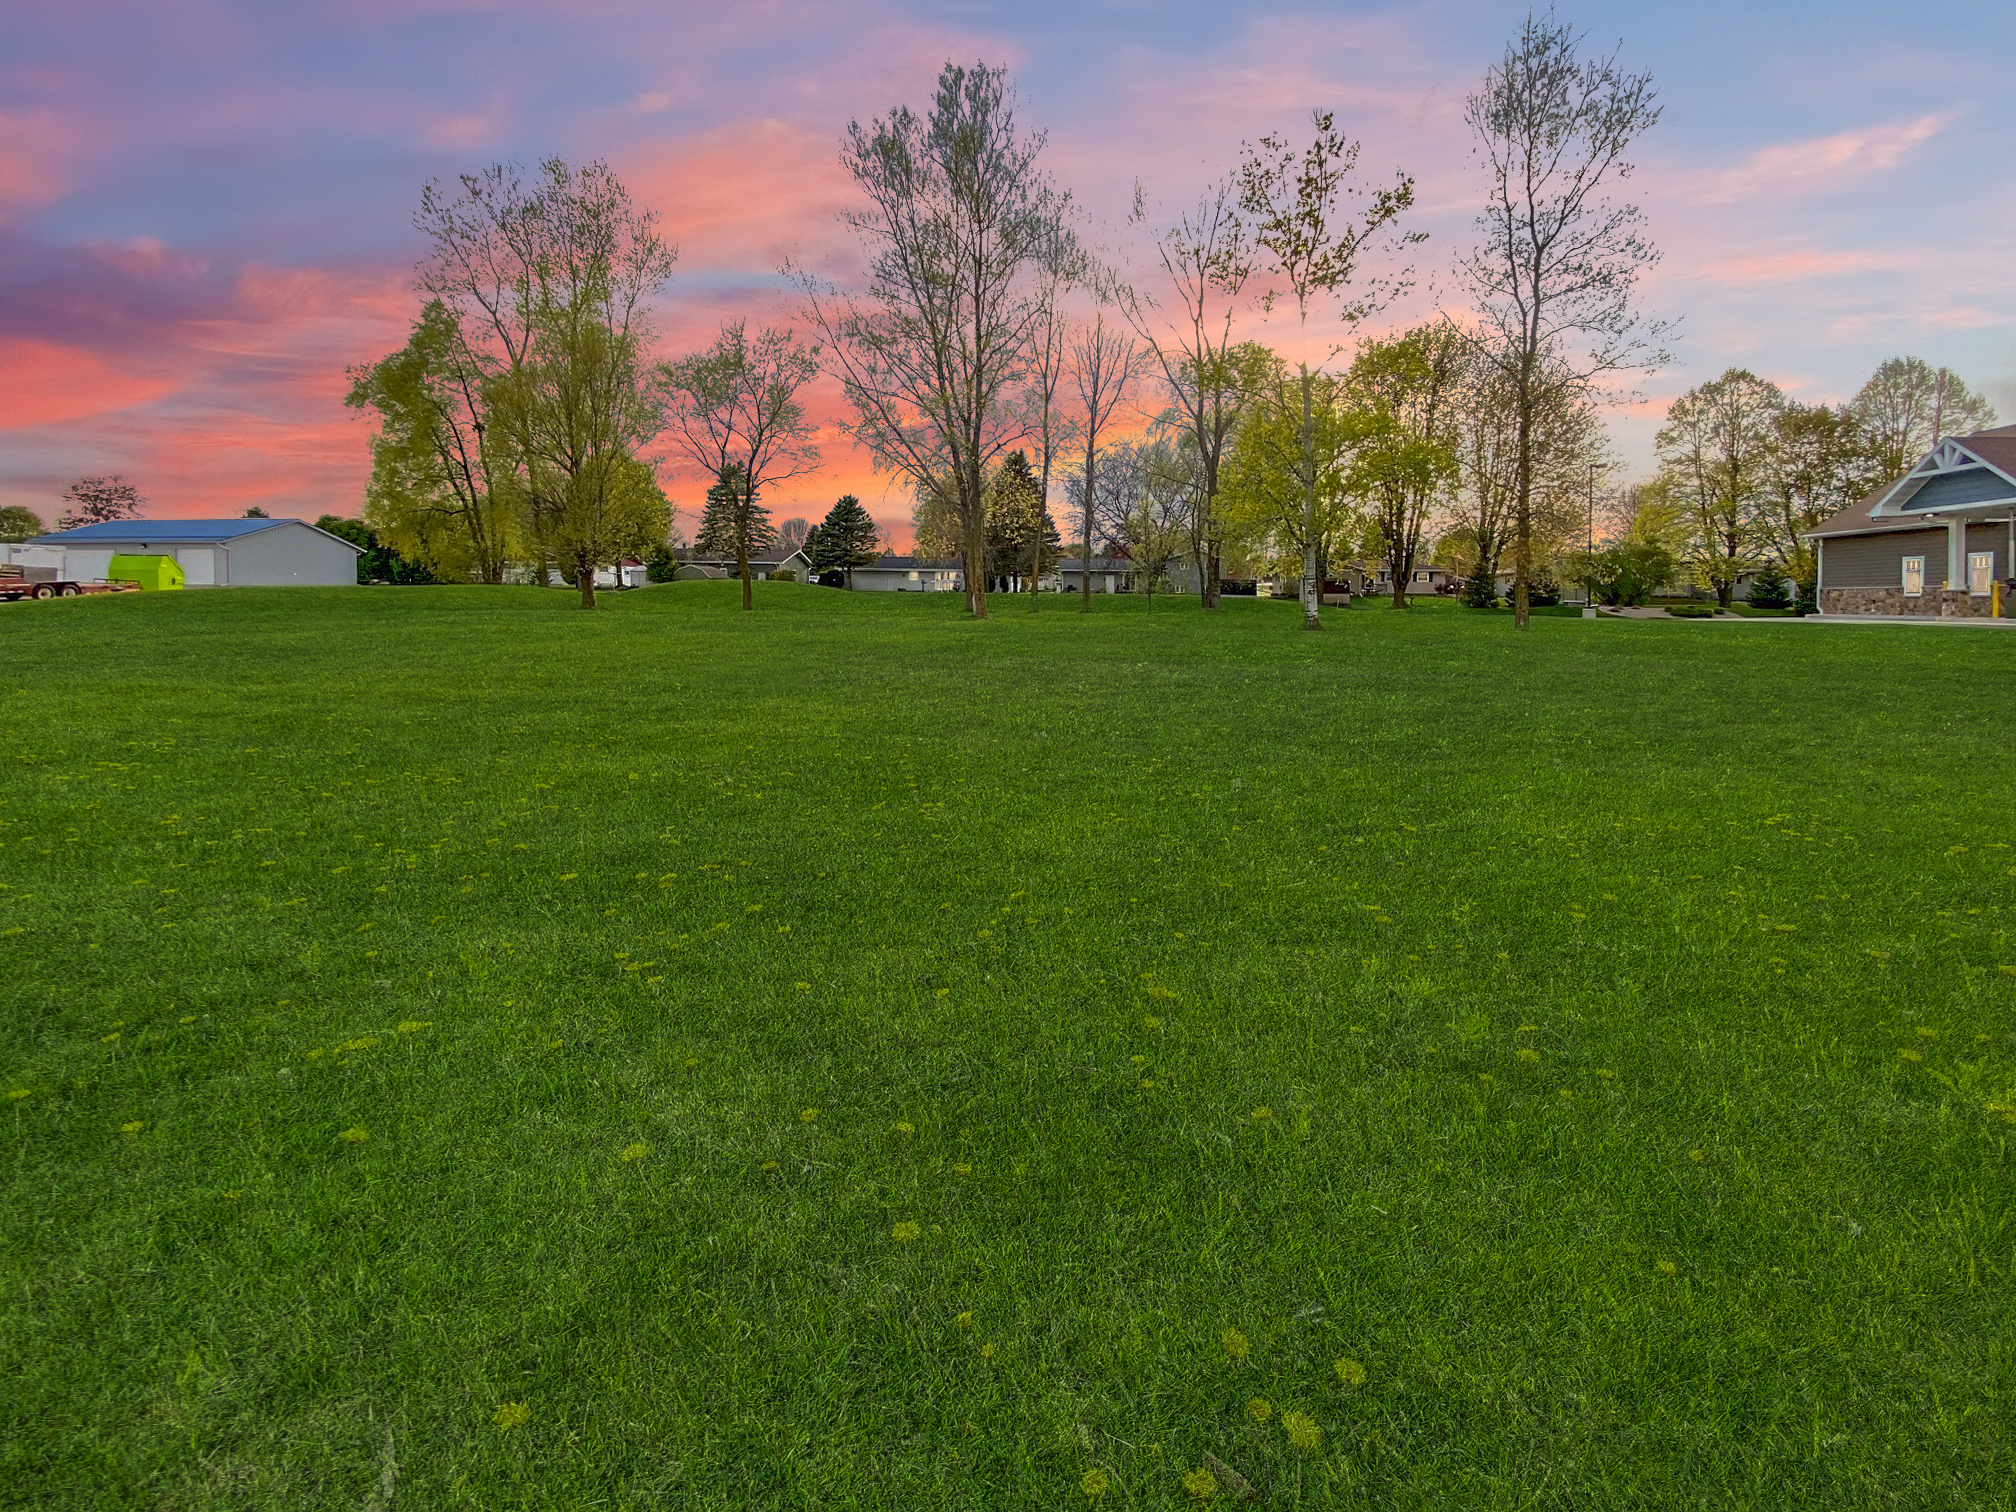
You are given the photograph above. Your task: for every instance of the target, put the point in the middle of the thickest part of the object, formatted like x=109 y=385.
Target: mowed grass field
x=846 y=1056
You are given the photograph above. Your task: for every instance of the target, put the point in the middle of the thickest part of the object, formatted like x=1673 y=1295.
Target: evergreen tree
x=734 y=524
x=1016 y=523
x=1769 y=589
x=844 y=540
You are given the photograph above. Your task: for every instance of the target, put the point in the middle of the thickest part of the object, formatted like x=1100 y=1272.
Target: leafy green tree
x=379 y=562
x=20 y=523
x=1821 y=462
x=547 y=286
x=1716 y=454
x=443 y=489
x=845 y=539
x=256 y=513
x=1625 y=572
x=1296 y=211
x=1264 y=485
x=1408 y=389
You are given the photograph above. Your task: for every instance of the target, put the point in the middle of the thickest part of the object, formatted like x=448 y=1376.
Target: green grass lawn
x=845 y=1056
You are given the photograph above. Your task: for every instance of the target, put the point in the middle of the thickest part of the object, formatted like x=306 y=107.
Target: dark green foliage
x=1020 y=532
x=1543 y=591
x=660 y=565
x=19 y=523
x=734 y=525
x=1808 y=601
x=1769 y=588
x=379 y=563
x=1480 y=589
x=845 y=539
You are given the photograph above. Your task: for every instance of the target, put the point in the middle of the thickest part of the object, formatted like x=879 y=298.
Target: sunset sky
x=206 y=208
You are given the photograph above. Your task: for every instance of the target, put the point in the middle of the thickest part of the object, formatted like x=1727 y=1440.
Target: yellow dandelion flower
x=988 y=1351
x=1607 y=1075
x=1668 y=1268
x=692 y=1063
x=353 y=1136
x=635 y=1152
x=1259 y=1409
x=511 y=1415
x=1137 y=1060
x=189 y=1020
x=1529 y=1057
x=109 y=1039
x=906 y=1128
x=1094 y=1483
x=960 y=1168
x=1147 y=1085
x=1236 y=1347
x=808 y=1115
x=1302 y=1430
x=414 y=1026
x=1151 y=1022
x=1486 y=1078
x=15 y=1094
x=1924 y=1033
x=965 y=1321
x=1350 y=1372
x=134 y=1127
x=1263 y=1113
x=769 y=1165
x=1529 y=1028
x=1697 y=1156
x=903 y=1233
x=1910 y=1055
x=1201 y=1483
x=234 y=1194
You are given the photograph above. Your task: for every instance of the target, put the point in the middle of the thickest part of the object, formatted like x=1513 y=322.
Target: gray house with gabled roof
x=1939 y=542
x=214 y=553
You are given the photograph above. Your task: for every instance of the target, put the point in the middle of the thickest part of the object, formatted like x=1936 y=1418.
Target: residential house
x=1376 y=581
x=909 y=574
x=1935 y=543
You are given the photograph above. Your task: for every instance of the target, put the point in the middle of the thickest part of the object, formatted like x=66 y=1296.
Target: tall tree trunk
x=584 y=579
x=1312 y=583
x=1522 y=505
x=1085 y=545
x=748 y=513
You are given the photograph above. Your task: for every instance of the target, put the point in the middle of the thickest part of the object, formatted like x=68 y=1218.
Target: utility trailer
x=18 y=582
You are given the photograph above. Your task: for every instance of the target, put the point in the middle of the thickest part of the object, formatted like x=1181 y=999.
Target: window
x=913 y=577
x=1420 y=577
x=1914 y=576
x=1980 y=571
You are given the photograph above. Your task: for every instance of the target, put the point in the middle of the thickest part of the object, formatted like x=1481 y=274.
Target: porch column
x=1956 y=554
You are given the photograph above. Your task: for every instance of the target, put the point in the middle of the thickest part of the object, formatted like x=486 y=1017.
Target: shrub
x=660 y=565
x=1769 y=589
x=783 y=575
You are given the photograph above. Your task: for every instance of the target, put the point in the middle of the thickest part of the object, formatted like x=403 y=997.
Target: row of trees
x=1746 y=471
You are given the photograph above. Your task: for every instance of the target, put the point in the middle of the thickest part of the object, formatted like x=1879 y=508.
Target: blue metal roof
x=162 y=532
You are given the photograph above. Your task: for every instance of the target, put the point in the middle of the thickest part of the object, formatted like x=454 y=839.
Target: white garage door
x=199 y=565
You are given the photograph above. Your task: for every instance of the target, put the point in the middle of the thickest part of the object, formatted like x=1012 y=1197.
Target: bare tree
x=1908 y=406
x=99 y=501
x=1106 y=363
x=736 y=406
x=1294 y=203
x=1208 y=260
x=1556 y=267
x=960 y=223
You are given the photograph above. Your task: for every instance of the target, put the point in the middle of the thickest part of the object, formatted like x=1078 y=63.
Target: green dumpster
x=147 y=571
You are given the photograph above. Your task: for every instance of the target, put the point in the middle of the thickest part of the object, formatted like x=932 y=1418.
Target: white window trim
x=1909 y=591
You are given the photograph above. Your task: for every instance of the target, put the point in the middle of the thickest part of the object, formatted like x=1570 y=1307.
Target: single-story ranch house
x=1935 y=542
x=211 y=553
x=909 y=574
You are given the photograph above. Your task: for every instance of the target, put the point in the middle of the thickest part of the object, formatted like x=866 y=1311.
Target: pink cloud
x=42 y=383
x=1820 y=164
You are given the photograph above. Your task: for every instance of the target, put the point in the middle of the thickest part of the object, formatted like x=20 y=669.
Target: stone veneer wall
x=1933 y=603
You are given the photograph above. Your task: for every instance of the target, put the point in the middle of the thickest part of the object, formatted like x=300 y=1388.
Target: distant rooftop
x=167 y=532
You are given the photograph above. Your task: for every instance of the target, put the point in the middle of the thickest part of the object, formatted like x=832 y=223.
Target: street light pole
x=1589 y=588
